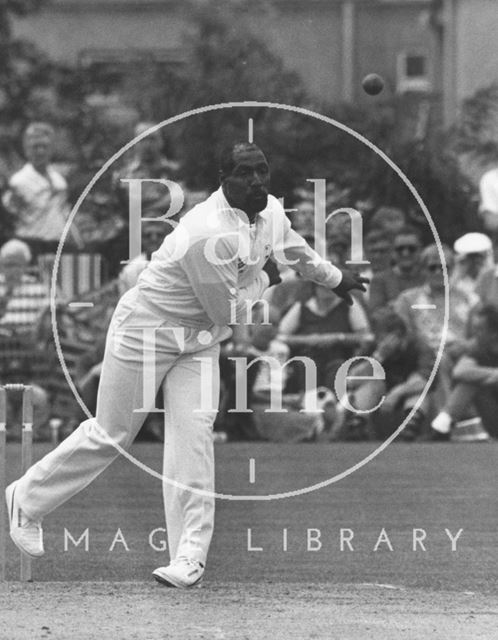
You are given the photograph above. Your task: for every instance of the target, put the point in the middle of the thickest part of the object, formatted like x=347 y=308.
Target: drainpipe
x=449 y=62
x=348 y=58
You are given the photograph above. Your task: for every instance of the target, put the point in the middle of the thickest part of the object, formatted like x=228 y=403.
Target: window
x=413 y=72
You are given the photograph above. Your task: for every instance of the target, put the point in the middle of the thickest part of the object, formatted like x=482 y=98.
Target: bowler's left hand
x=350 y=281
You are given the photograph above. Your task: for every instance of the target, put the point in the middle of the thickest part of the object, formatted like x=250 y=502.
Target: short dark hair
x=226 y=162
x=489 y=313
x=409 y=230
x=376 y=235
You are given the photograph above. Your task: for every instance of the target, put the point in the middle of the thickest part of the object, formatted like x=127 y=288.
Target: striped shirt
x=25 y=303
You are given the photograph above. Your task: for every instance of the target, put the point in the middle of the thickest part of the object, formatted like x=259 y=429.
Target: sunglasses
x=406 y=248
x=376 y=250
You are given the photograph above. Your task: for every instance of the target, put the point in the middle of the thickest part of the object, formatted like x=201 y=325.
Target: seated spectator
x=326 y=329
x=423 y=310
x=37 y=194
x=7 y=218
x=475 y=377
x=145 y=161
x=474 y=255
x=148 y=161
x=303 y=217
x=292 y=289
x=262 y=384
x=405 y=273
x=293 y=425
x=378 y=251
x=153 y=233
x=22 y=301
x=388 y=219
x=426 y=324
x=339 y=248
x=487 y=286
x=22 y=297
x=407 y=366
x=237 y=426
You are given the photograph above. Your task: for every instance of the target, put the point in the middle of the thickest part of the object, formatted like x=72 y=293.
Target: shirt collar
x=225 y=206
x=39 y=176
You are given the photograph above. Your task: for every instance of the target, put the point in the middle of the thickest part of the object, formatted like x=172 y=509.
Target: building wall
x=476 y=45
x=384 y=32
x=309 y=35
x=309 y=41
x=66 y=31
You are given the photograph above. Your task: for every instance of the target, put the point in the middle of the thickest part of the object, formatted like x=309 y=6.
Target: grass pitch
x=417 y=554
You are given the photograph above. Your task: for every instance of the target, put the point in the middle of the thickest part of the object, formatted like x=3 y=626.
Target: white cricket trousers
x=190 y=402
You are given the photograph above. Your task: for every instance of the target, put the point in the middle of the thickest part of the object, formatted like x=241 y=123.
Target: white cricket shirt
x=211 y=264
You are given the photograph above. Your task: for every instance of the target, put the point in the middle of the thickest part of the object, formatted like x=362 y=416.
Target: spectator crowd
x=401 y=323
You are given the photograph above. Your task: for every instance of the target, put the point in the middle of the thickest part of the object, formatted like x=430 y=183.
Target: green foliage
x=228 y=63
x=476 y=131
x=95 y=108
x=436 y=175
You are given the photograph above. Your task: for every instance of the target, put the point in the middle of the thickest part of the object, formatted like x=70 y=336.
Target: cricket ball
x=372 y=84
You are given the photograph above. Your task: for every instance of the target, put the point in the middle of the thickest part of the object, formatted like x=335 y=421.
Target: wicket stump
x=26 y=461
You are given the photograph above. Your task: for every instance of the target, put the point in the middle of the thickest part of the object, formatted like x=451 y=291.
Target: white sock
x=442 y=422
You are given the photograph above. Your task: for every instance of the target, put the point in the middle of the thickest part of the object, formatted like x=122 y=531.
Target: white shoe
x=442 y=423
x=470 y=431
x=26 y=534
x=182 y=573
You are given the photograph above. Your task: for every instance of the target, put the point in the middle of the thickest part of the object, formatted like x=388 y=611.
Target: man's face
x=433 y=271
x=246 y=187
x=38 y=150
x=406 y=250
x=149 y=148
x=153 y=235
x=474 y=262
x=13 y=269
x=379 y=254
x=338 y=249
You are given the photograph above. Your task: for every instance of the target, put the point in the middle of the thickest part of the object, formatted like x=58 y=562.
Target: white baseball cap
x=473 y=243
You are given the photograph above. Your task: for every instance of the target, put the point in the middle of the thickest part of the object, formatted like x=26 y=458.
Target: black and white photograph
x=248 y=319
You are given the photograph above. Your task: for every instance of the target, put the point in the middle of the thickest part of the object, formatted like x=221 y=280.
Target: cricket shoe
x=182 y=573
x=26 y=534
x=470 y=430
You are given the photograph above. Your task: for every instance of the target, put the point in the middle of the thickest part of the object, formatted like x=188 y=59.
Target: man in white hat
x=473 y=255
